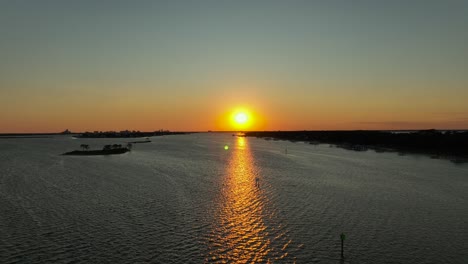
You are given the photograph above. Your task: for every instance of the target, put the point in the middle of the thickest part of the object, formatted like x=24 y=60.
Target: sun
x=241 y=118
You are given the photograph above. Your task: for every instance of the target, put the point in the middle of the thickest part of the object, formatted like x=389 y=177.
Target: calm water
x=185 y=199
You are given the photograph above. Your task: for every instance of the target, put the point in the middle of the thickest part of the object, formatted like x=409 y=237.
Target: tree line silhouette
x=434 y=142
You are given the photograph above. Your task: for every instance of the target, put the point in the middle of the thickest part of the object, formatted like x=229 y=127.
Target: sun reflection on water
x=241 y=234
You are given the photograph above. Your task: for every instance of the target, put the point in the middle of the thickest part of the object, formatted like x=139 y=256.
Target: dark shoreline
x=10 y=137
x=97 y=152
x=452 y=145
x=140 y=142
x=129 y=134
x=96 y=134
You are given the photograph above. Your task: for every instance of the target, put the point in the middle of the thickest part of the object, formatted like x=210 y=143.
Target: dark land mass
x=97 y=152
x=128 y=134
x=16 y=137
x=139 y=142
x=34 y=135
x=30 y=135
x=452 y=145
x=106 y=150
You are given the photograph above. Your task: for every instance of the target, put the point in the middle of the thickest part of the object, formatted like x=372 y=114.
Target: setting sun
x=241 y=118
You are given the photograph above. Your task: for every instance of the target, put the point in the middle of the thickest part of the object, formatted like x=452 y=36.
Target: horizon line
x=229 y=131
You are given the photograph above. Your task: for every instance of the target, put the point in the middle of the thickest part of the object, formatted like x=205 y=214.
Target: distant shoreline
x=10 y=137
x=447 y=144
x=32 y=134
x=78 y=134
x=100 y=134
x=128 y=134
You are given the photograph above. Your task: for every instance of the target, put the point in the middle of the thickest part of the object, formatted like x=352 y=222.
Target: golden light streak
x=241 y=231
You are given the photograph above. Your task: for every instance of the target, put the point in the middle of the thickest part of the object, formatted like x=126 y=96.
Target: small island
x=106 y=150
x=147 y=140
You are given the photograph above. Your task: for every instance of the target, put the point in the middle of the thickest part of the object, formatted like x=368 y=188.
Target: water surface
x=185 y=199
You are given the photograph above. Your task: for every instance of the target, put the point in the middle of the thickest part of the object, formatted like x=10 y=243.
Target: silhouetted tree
x=84 y=146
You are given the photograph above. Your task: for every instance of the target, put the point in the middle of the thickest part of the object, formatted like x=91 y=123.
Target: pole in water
x=342 y=236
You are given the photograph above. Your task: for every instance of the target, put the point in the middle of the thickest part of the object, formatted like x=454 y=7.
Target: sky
x=188 y=65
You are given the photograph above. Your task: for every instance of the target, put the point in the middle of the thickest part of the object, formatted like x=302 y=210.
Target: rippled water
x=185 y=199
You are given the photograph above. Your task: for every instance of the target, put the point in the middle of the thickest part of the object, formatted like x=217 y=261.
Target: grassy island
x=107 y=150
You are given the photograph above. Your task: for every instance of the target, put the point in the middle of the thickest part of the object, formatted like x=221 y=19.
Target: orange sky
x=307 y=65
x=89 y=111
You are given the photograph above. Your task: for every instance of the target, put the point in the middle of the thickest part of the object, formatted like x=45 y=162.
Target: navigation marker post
x=342 y=236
